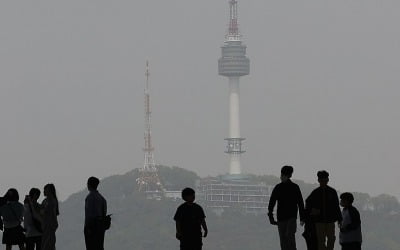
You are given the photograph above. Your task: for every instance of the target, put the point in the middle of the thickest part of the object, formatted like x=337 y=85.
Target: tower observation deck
x=234 y=64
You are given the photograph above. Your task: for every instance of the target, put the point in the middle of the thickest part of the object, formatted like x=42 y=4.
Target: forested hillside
x=139 y=223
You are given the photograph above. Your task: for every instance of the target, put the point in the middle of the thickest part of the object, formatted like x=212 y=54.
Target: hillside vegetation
x=143 y=224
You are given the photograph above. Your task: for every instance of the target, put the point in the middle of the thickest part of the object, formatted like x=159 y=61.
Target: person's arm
x=1 y=221
x=37 y=210
x=204 y=226
x=178 y=226
x=300 y=204
x=105 y=207
x=271 y=205
x=337 y=208
x=178 y=223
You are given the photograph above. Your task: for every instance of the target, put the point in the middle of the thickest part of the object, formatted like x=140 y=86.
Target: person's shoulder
x=198 y=206
x=353 y=209
x=199 y=210
x=179 y=209
x=89 y=195
x=278 y=186
x=2 y=201
x=294 y=184
x=92 y=195
x=100 y=195
x=331 y=189
x=182 y=206
x=316 y=190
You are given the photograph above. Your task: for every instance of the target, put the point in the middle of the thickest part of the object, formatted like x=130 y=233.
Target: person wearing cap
x=290 y=201
x=323 y=205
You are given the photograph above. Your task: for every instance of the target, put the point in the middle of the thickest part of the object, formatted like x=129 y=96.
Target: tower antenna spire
x=233 y=30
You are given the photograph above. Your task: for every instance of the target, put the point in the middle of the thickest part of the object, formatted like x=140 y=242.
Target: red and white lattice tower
x=149 y=180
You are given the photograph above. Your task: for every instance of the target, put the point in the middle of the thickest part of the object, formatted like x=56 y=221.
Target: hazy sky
x=323 y=92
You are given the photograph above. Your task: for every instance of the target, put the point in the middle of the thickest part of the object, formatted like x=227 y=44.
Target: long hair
x=52 y=191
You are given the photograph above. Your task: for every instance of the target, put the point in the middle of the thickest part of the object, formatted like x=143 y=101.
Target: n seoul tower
x=234 y=64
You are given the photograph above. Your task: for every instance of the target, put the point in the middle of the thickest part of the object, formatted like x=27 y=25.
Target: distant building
x=223 y=193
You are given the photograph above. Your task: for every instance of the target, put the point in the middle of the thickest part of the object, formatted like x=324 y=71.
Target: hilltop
x=139 y=223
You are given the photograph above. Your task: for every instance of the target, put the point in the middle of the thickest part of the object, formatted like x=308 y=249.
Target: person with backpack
x=12 y=215
x=32 y=225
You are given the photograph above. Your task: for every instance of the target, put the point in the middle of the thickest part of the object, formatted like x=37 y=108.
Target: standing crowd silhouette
x=30 y=225
x=318 y=216
x=33 y=225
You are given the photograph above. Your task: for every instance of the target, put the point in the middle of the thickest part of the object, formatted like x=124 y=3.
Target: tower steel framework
x=149 y=180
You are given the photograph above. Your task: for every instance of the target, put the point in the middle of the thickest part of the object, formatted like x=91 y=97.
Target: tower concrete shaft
x=234 y=125
x=234 y=64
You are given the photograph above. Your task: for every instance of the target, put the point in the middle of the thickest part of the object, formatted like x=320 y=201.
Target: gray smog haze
x=323 y=91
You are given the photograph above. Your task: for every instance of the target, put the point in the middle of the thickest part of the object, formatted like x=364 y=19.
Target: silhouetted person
x=12 y=214
x=3 y=201
x=49 y=211
x=290 y=202
x=350 y=230
x=95 y=212
x=310 y=234
x=32 y=224
x=190 y=218
x=323 y=204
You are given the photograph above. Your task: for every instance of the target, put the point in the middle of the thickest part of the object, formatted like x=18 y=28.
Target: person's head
x=188 y=195
x=49 y=191
x=323 y=178
x=346 y=199
x=34 y=194
x=12 y=195
x=92 y=183
x=286 y=173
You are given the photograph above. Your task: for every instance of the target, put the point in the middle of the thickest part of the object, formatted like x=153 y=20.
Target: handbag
x=106 y=222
